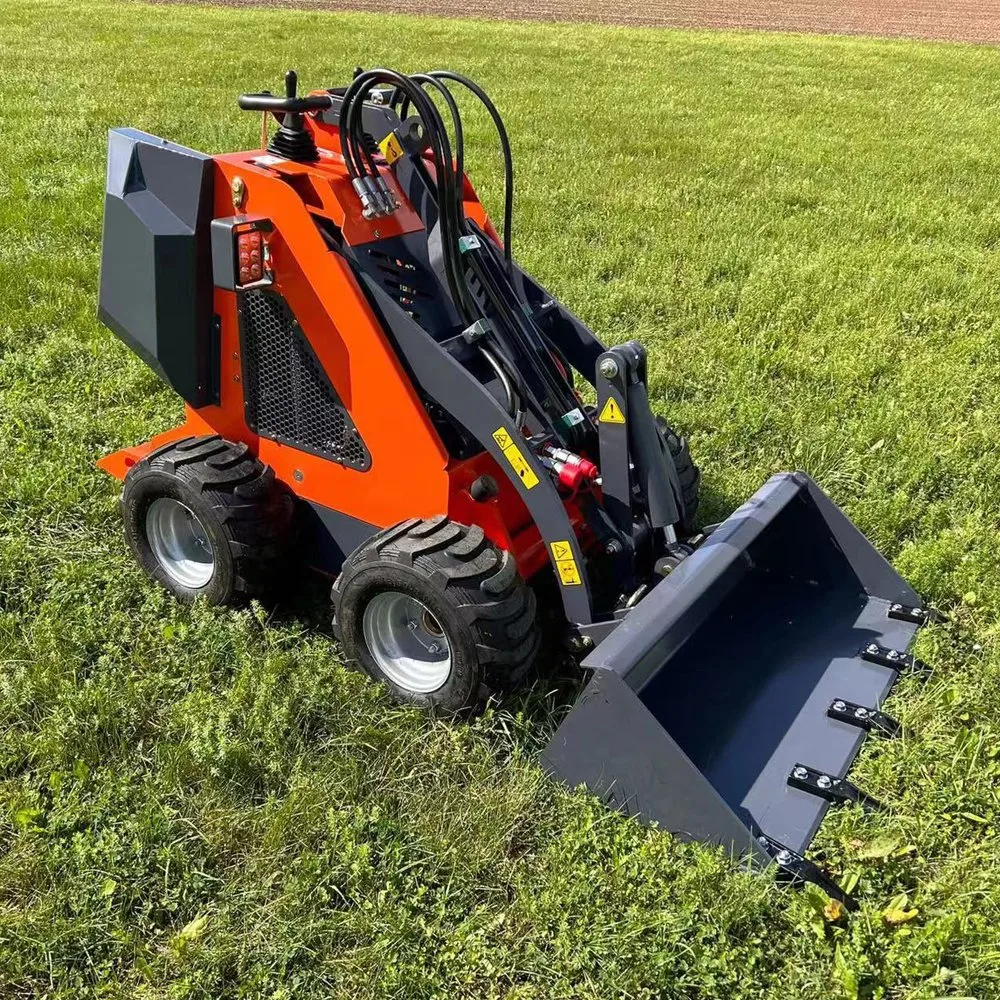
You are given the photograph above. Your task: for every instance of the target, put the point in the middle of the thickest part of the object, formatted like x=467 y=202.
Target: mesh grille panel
x=288 y=396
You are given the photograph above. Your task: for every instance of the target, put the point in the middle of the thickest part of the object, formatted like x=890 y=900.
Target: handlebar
x=295 y=105
x=289 y=104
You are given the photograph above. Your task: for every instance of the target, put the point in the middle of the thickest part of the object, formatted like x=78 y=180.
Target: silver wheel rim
x=180 y=543
x=407 y=642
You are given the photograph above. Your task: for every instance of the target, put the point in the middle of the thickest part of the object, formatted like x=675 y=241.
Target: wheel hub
x=407 y=642
x=180 y=543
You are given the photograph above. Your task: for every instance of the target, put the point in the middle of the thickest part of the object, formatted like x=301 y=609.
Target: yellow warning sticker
x=517 y=460
x=391 y=148
x=612 y=413
x=562 y=556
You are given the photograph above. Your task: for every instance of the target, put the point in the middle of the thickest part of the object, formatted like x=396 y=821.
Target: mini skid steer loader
x=375 y=389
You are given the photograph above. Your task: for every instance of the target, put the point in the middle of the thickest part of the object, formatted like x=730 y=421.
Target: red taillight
x=251 y=256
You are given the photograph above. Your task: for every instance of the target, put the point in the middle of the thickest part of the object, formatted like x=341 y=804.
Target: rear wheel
x=204 y=518
x=436 y=612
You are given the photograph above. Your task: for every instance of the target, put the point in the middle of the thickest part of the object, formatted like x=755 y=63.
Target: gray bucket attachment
x=725 y=707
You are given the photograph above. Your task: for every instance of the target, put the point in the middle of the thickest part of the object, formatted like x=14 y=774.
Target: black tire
x=472 y=589
x=245 y=515
x=687 y=472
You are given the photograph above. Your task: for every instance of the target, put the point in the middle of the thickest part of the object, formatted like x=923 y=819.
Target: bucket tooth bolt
x=915 y=616
x=871 y=720
x=837 y=790
x=796 y=870
x=884 y=656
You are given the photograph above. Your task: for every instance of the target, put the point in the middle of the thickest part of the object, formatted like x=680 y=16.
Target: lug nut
x=608 y=367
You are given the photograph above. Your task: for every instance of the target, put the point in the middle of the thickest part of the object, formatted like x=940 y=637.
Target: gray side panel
x=155 y=284
x=330 y=536
x=613 y=745
x=873 y=569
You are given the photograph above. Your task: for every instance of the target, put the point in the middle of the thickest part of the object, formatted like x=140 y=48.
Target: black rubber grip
x=295 y=105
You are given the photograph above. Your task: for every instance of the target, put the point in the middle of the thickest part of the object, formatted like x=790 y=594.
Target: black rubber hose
x=356 y=153
x=347 y=102
x=454 y=172
x=497 y=286
x=456 y=119
x=352 y=136
x=508 y=159
x=450 y=200
x=456 y=182
x=501 y=296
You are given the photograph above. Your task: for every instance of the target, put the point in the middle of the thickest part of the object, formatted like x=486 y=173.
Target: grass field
x=199 y=803
x=957 y=20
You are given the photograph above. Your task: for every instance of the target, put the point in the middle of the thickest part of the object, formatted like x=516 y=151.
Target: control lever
x=292 y=141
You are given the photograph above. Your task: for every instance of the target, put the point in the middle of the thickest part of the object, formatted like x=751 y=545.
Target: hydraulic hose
x=352 y=141
x=508 y=159
x=522 y=359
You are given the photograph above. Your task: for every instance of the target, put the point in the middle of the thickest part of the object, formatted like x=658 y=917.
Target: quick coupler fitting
x=369 y=204
x=388 y=197
x=376 y=196
x=589 y=470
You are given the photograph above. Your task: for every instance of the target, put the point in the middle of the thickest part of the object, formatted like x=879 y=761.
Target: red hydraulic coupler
x=572 y=471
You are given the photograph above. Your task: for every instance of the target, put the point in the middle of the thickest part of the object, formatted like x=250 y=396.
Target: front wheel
x=688 y=474
x=436 y=612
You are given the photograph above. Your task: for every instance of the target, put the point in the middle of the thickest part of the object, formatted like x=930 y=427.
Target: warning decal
x=517 y=460
x=612 y=413
x=391 y=148
x=562 y=556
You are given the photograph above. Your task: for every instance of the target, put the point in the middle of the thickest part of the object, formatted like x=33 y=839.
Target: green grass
x=204 y=803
